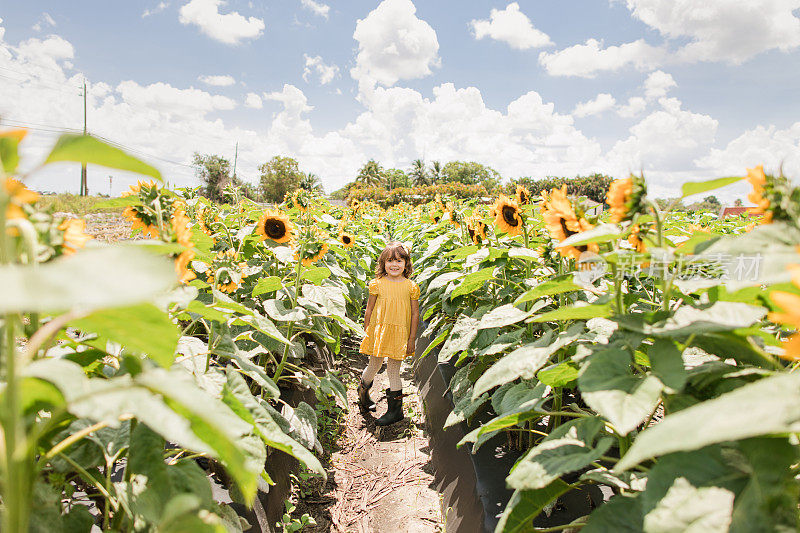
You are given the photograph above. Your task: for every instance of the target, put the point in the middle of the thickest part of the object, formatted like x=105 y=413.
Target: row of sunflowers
x=125 y=364
x=639 y=359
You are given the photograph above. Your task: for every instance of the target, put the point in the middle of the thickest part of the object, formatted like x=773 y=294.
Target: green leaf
x=330 y=298
x=557 y=285
x=278 y=310
x=87 y=149
x=559 y=455
x=610 y=388
x=505 y=315
x=696 y=187
x=621 y=514
x=462 y=334
x=264 y=325
x=667 y=363
x=436 y=342
x=722 y=316
x=237 y=395
x=525 y=505
x=141 y=328
x=688 y=508
x=575 y=312
x=523 y=362
x=90 y=279
x=559 y=375
x=9 y=151
x=473 y=282
x=268 y=284
x=768 y=406
x=525 y=254
x=315 y=274
x=599 y=234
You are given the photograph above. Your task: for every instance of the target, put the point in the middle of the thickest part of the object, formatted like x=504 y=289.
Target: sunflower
x=791 y=303
x=507 y=215
x=635 y=240
x=625 y=197
x=74 y=236
x=757 y=178
x=312 y=253
x=355 y=205
x=562 y=221
x=523 y=195
x=183 y=236
x=346 y=239
x=225 y=271
x=275 y=226
x=476 y=229
x=20 y=195
x=450 y=217
x=136 y=218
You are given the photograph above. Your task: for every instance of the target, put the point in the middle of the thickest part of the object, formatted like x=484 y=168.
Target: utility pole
x=110 y=179
x=84 y=185
x=235 y=158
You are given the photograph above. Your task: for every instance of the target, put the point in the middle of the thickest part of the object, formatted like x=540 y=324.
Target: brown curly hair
x=394 y=250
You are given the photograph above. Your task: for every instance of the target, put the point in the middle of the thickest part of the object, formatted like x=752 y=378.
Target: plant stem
x=279 y=370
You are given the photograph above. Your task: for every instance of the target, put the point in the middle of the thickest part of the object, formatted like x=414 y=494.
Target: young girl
x=391 y=323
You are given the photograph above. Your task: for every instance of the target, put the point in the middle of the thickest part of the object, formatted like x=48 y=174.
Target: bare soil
x=379 y=479
x=105 y=227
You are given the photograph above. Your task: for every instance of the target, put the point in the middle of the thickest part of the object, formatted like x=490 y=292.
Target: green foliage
x=214 y=172
x=73 y=203
x=415 y=195
x=470 y=173
x=594 y=186
x=279 y=176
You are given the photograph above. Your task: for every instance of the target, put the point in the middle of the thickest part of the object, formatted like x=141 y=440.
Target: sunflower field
x=645 y=352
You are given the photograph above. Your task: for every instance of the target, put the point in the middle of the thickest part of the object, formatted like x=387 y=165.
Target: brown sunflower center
x=509 y=215
x=346 y=239
x=567 y=232
x=274 y=228
x=523 y=197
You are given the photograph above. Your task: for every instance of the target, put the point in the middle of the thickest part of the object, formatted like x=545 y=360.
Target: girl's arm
x=412 y=331
x=370 y=305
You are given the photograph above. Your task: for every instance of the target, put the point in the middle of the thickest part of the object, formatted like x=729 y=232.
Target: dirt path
x=105 y=227
x=379 y=481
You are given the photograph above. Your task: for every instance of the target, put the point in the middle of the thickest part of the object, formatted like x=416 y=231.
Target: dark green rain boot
x=364 y=401
x=394 y=398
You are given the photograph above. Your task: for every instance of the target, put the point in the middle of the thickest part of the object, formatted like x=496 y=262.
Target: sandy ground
x=380 y=479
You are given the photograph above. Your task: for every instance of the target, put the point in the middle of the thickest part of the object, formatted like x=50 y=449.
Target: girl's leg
x=394 y=396
x=393 y=370
x=374 y=366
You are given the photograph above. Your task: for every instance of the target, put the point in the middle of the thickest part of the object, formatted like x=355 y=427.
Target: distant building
x=734 y=211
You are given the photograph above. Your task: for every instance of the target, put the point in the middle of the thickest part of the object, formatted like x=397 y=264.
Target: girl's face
x=395 y=266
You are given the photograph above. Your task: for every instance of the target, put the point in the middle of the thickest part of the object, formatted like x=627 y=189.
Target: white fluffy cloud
x=158 y=9
x=315 y=64
x=723 y=30
x=44 y=21
x=218 y=80
x=229 y=28
x=169 y=100
x=635 y=105
x=253 y=101
x=318 y=8
x=657 y=84
x=586 y=60
x=603 y=102
x=393 y=45
x=511 y=26
x=764 y=145
x=666 y=140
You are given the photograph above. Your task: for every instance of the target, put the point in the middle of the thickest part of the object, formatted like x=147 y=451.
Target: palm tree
x=418 y=173
x=370 y=174
x=436 y=172
x=311 y=183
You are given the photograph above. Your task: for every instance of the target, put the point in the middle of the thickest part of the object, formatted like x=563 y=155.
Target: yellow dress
x=390 y=322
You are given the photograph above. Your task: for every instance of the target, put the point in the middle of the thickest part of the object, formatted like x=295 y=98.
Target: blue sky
x=682 y=89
